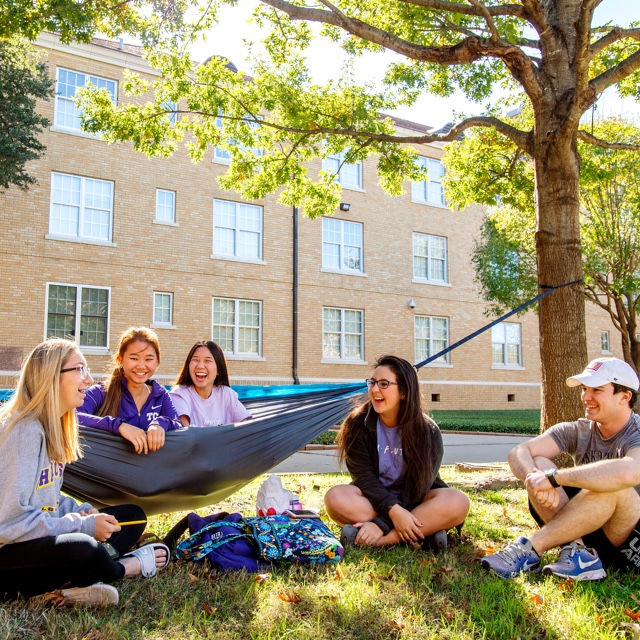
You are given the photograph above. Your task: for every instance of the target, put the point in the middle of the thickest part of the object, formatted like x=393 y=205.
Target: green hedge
x=526 y=421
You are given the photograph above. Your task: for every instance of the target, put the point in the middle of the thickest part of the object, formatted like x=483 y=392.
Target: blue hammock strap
x=524 y=305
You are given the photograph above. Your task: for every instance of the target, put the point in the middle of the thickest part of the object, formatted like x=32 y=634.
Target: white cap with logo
x=601 y=371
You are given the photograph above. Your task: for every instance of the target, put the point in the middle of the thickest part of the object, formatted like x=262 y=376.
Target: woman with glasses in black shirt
x=393 y=452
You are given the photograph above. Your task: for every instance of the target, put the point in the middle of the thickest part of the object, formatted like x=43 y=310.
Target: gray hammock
x=197 y=467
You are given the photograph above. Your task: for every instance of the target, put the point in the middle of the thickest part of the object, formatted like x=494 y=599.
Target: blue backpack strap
x=193 y=549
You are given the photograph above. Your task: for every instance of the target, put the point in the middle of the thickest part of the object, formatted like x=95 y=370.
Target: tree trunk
x=563 y=346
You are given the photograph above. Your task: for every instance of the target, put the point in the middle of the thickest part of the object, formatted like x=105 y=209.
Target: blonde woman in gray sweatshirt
x=48 y=541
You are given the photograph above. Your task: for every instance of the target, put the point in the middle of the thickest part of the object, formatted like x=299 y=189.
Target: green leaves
x=23 y=79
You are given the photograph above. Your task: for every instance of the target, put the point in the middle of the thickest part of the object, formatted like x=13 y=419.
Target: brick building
x=109 y=238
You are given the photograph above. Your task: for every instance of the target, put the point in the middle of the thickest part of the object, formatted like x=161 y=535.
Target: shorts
x=626 y=557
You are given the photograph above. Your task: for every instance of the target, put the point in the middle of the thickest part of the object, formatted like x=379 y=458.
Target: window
x=81 y=207
x=605 y=342
x=506 y=345
x=429 y=191
x=165 y=205
x=341 y=245
x=348 y=175
x=79 y=313
x=431 y=336
x=67 y=115
x=342 y=334
x=237 y=326
x=224 y=156
x=162 y=308
x=237 y=230
x=171 y=109
x=430 y=258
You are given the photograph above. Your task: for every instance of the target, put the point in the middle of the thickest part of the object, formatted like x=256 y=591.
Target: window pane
x=331 y=345
x=497 y=356
x=224 y=337
x=162 y=308
x=224 y=311
x=165 y=205
x=93 y=318
x=61 y=312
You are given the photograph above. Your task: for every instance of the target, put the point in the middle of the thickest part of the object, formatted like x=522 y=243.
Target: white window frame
x=163 y=193
x=605 y=341
x=343 y=245
x=432 y=343
x=77 y=325
x=80 y=234
x=343 y=170
x=505 y=342
x=328 y=358
x=236 y=230
x=159 y=304
x=236 y=328
x=65 y=107
x=223 y=156
x=429 y=191
x=433 y=244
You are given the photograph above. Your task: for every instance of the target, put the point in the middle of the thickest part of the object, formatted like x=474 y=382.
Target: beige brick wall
x=150 y=257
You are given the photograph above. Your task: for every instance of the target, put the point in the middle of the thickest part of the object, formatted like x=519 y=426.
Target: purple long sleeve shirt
x=158 y=409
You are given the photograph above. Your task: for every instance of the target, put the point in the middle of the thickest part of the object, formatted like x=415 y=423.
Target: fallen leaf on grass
x=396 y=625
x=630 y=614
x=56 y=599
x=537 y=599
x=635 y=598
x=635 y=627
x=368 y=560
x=209 y=610
x=598 y=619
x=290 y=597
x=193 y=578
x=426 y=562
x=567 y=585
x=489 y=550
x=446 y=570
x=338 y=574
x=328 y=597
x=261 y=577
x=504 y=513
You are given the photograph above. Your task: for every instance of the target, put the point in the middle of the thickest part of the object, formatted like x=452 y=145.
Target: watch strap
x=551 y=477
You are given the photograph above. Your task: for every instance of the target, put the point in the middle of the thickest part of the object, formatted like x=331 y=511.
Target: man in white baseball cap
x=593 y=508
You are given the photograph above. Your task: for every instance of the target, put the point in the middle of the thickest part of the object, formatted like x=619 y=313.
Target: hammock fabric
x=201 y=466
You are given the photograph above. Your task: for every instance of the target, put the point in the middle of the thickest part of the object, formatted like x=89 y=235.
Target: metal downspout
x=294 y=355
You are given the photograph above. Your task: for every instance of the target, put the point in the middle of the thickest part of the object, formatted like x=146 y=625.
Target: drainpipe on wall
x=294 y=355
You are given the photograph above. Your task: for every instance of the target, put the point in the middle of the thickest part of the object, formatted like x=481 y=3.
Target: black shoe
x=436 y=541
x=348 y=535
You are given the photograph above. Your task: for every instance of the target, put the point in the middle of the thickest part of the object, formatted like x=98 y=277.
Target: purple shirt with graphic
x=391 y=464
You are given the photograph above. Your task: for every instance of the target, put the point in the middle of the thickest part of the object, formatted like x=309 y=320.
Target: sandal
x=348 y=535
x=147 y=557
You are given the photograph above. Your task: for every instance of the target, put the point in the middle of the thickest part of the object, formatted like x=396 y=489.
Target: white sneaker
x=96 y=595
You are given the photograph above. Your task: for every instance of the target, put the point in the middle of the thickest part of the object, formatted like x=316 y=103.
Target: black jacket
x=363 y=465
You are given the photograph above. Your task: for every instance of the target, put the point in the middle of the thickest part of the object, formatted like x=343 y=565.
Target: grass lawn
x=373 y=594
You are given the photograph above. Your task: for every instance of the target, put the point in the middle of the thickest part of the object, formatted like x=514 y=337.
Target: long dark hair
x=115 y=375
x=222 y=379
x=416 y=430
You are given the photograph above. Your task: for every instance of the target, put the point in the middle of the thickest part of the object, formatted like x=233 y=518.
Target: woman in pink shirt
x=202 y=395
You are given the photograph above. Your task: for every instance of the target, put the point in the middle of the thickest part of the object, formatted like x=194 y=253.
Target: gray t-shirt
x=583 y=440
x=391 y=464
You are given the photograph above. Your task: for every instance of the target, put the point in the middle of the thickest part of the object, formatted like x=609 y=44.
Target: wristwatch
x=551 y=477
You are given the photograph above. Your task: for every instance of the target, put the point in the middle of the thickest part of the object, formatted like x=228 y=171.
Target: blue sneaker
x=576 y=562
x=517 y=557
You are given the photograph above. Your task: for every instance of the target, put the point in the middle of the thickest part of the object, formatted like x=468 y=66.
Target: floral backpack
x=278 y=539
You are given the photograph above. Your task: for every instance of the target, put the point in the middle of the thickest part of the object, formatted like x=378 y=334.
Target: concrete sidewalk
x=458 y=447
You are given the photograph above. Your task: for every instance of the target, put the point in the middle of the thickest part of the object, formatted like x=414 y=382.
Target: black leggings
x=68 y=560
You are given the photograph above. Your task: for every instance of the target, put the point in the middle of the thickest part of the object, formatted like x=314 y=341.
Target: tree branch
x=488 y=19
x=463 y=9
x=604 y=144
x=615 y=74
x=613 y=36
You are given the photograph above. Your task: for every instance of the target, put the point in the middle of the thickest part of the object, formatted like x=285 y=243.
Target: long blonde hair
x=113 y=383
x=37 y=397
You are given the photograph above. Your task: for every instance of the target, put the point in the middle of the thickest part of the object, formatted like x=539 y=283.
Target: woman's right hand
x=106 y=524
x=369 y=533
x=137 y=437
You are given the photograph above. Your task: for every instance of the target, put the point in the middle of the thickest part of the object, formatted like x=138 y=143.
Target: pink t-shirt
x=221 y=407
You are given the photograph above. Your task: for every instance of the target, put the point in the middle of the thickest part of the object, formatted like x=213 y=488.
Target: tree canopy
x=23 y=80
x=548 y=54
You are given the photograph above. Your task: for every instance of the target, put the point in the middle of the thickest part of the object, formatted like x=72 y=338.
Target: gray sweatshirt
x=31 y=505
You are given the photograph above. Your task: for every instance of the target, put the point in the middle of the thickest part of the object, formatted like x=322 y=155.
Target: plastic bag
x=273 y=498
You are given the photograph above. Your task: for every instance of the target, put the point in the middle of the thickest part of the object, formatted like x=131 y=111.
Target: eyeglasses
x=382 y=384
x=83 y=369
